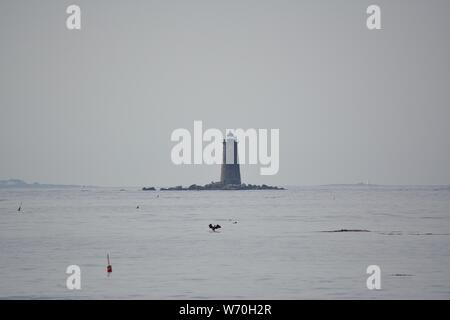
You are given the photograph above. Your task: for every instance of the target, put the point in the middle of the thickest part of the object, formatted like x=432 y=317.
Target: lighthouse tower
x=230 y=172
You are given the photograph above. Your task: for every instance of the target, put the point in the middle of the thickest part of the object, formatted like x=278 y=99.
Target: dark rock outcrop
x=221 y=186
x=348 y=230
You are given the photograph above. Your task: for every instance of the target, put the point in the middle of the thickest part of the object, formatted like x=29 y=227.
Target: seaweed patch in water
x=347 y=230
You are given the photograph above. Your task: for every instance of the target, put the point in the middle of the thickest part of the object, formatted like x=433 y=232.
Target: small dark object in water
x=137 y=207
x=214 y=227
x=401 y=275
x=348 y=230
x=234 y=222
x=109 y=267
x=20 y=208
x=392 y=233
x=422 y=234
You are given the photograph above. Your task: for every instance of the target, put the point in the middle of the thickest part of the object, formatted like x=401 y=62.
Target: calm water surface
x=277 y=249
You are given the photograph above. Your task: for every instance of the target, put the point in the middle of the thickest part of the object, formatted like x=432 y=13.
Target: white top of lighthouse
x=231 y=137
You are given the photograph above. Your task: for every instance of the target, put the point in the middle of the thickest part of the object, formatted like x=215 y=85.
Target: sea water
x=272 y=244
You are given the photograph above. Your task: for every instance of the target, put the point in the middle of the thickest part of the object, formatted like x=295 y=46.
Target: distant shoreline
x=17 y=183
x=20 y=184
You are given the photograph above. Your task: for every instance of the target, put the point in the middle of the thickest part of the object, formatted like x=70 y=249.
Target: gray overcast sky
x=97 y=106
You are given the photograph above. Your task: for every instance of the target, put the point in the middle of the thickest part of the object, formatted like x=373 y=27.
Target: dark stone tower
x=230 y=172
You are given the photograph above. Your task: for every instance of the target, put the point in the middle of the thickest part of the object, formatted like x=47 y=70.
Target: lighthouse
x=230 y=172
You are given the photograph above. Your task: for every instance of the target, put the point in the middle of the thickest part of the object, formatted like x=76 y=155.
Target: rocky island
x=221 y=186
x=230 y=175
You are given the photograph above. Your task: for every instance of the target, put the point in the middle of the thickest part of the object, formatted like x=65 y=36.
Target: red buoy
x=109 y=267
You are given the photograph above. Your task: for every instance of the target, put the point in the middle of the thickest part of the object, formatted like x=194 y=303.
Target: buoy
x=109 y=267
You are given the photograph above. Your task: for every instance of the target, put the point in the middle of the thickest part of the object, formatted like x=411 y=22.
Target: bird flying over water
x=214 y=227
